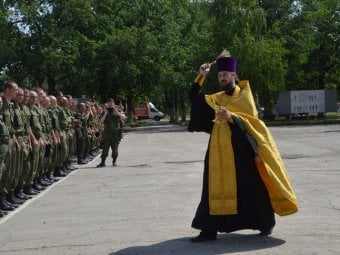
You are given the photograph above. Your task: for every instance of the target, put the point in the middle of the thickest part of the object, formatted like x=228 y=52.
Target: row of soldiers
x=41 y=137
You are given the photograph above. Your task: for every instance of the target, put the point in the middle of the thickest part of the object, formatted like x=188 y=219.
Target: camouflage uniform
x=54 y=147
x=19 y=128
x=4 y=139
x=8 y=174
x=64 y=122
x=36 y=151
x=27 y=151
x=111 y=136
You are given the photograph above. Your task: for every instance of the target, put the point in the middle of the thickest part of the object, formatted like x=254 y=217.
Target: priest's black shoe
x=266 y=232
x=204 y=236
x=102 y=164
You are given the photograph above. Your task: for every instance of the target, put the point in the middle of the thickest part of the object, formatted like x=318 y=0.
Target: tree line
x=142 y=50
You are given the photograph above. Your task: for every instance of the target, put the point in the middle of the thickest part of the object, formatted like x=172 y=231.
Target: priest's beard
x=227 y=87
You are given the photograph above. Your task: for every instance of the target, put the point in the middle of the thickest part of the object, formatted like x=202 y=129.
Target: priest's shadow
x=225 y=243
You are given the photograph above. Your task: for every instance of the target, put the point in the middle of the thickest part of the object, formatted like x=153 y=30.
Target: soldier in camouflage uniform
x=27 y=150
x=39 y=180
x=112 y=120
x=52 y=110
x=81 y=133
x=70 y=111
x=97 y=131
x=43 y=178
x=65 y=124
x=8 y=173
x=4 y=138
x=37 y=141
x=21 y=134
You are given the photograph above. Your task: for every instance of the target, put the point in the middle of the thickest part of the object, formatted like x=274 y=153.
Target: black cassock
x=253 y=203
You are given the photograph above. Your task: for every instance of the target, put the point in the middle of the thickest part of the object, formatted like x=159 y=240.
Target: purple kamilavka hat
x=226 y=64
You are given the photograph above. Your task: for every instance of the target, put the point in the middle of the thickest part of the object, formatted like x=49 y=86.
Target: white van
x=147 y=111
x=154 y=113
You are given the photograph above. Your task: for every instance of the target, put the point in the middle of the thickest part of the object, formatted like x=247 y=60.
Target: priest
x=245 y=181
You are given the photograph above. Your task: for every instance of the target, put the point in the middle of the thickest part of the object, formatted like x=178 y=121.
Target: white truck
x=146 y=111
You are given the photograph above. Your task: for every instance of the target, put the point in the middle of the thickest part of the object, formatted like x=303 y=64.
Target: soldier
x=4 y=138
x=81 y=133
x=28 y=164
x=112 y=120
x=70 y=111
x=8 y=174
x=49 y=138
x=40 y=182
x=65 y=123
x=20 y=132
x=55 y=138
x=91 y=123
x=37 y=142
x=27 y=149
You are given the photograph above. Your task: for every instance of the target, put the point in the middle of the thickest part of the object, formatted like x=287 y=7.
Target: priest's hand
x=204 y=69
x=223 y=113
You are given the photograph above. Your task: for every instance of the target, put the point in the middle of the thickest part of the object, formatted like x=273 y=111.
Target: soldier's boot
x=70 y=166
x=47 y=179
x=18 y=192
x=81 y=161
x=30 y=192
x=114 y=159
x=2 y=213
x=102 y=164
x=51 y=177
x=3 y=203
x=66 y=168
x=36 y=185
x=59 y=172
x=42 y=181
x=12 y=199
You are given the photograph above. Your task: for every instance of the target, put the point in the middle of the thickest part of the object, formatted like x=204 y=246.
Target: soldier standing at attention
x=27 y=149
x=112 y=120
x=8 y=174
x=81 y=133
x=4 y=138
x=55 y=138
x=32 y=143
x=37 y=141
x=44 y=179
x=65 y=124
x=20 y=132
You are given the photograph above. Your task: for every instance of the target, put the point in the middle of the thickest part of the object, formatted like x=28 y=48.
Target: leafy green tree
x=313 y=40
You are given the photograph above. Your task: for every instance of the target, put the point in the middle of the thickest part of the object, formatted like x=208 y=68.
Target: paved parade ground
x=146 y=203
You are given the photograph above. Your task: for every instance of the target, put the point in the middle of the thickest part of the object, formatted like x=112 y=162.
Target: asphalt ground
x=146 y=203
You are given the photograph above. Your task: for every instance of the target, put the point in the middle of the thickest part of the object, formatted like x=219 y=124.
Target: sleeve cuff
x=200 y=79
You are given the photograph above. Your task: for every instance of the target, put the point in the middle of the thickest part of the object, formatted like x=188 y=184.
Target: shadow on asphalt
x=226 y=243
x=161 y=129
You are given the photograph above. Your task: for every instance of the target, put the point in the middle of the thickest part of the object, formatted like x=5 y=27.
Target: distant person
x=245 y=181
x=113 y=120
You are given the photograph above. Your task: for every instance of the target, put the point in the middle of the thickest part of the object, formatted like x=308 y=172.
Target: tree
x=313 y=41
